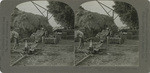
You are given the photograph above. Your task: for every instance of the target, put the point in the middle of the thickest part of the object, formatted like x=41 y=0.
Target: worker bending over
x=79 y=35
x=14 y=36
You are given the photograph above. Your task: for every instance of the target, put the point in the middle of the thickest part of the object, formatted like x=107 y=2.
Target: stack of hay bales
x=115 y=40
x=68 y=34
x=133 y=34
x=92 y=23
x=51 y=40
x=28 y=23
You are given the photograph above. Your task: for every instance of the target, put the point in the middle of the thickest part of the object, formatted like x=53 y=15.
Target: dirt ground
x=61 y=54
x=126 y=54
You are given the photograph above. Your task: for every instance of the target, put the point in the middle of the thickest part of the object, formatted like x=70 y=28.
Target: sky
x=29 y=7
x=92 y=6
x=0 y=1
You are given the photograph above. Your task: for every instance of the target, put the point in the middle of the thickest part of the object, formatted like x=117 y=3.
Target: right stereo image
x=106 y=34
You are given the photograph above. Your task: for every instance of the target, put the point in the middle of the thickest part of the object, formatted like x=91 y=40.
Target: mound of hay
x=92 y=23
x=28 y=23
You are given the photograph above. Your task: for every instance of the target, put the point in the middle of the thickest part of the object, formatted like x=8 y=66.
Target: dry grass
x=61 y=54
x=117 y=55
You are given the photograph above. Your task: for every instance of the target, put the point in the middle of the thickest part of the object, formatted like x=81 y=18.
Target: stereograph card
x=74 y=36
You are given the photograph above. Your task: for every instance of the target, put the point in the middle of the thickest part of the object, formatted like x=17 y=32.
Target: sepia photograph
x=74 y=36
x=106 y=34
x=42 y=34
x=50 y=33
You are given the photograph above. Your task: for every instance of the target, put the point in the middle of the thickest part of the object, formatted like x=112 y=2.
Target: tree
x=62 y=13
x=127 y=13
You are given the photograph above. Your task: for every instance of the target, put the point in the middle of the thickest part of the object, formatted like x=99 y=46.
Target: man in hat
x=80 y=36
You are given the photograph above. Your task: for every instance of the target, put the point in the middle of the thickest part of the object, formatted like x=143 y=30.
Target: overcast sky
x=91 y=6
x=94 y=6
x=29 y=7
x=0 y=1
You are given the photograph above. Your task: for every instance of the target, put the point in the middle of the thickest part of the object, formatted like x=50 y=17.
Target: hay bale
x=70 y=37
x=115 y=40
x=49 y=40
x=64 y=35
x=133 y=37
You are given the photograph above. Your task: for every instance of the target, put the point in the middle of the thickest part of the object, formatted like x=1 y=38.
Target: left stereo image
x=41 y=34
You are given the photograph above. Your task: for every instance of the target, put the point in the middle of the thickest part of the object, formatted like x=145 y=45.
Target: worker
x=14 y=36
x=26 y=48
x=44 y=35
x=80 y=36
x=91 y=48
x=45 y=32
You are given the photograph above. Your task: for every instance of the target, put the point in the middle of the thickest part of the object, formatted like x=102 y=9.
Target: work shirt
x=79 y=34
x=26 y=44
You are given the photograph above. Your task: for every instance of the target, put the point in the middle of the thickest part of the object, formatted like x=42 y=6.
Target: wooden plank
x=19 y=60
x=24 y=56
x=82 y=60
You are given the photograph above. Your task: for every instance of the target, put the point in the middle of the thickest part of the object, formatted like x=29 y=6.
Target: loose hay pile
x=28 y=23
x=92 y=23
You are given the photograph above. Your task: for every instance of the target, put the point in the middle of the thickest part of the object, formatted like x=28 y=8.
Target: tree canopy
x=62 y=13
x=127 y=13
